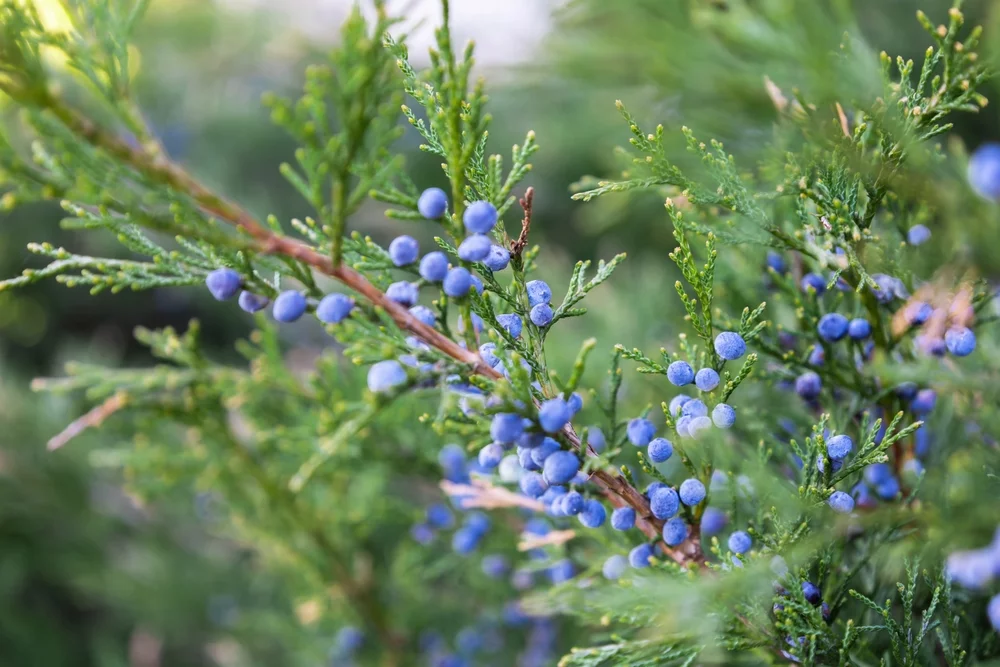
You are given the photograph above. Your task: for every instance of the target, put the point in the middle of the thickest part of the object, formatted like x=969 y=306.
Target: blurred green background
x=88 y=576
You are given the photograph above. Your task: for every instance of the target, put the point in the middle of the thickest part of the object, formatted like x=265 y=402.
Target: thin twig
x=517 y=247
x=91 y=419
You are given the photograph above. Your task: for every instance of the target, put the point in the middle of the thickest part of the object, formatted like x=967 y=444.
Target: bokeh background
x=89 y=576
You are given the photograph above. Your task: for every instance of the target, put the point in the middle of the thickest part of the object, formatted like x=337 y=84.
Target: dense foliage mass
x=814 y=485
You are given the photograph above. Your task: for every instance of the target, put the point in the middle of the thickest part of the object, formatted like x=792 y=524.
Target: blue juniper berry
x=614 y=567
x=573 y=502
x=575 y=402
x=664 y=502
x=385 y=376
x=832 y=327
x=623 y=518
x=639 y=556
x=532 y=485
x=730 y=345
x=434 y=266
x=694 y=408
x=699 y=426
x=223 y=284
x=814 y=282
x=538 y=292
x=541 y=315
x=440 y=516
x=544 y=451
x=706 y=379
x=560 y=467
x=740 y=542
x=480 y=217
x=808 y=385
x=553 y=415
x=511 y=322
x=724 y=415
x=253 y=303
x=776 y=262
x=713 y=520
x=984 y=171
x=593 y=514
x=506 y=427
x=960 y=341
x=404 y=250
x=457 y=282
x=838 y=447
x=841 y=502
x=433 y=203
x=475 y=248
x=497 y=259
x=918 y=235
x=334 y=308
x=477 y=284
x=422 y=313
x=403 y=292
x=677 y=403
x=919 y=312
x=491 y=455
x=811 y=593
x=660 y=449
x=675 y=531
x=640 y=431
x=680 y=373
x=692 y=492
x=859 y=329
x=289 y=306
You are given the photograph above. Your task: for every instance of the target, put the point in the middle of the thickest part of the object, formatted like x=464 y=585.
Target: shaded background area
x=89 y=576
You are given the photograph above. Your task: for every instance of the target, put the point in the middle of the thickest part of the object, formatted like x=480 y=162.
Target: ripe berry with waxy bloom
x=253 y=303
x=740 y=542
x=832 y=327
x=623 y=518
x=680 y=373
x=289 y=306
x=593 y=514
x=334 y=308
x=538 y=292
x=223 y=284
x=640 y=555
x=404 y=293
x=404 y=250
x=730 y=345
x=541 y=315
x=706 y=379
x=664 y=502
x=480 y=217
x=474 y=248
x=692 y=492
x=497 y=259
x=560 y=467
x=640 y=431
x=457 y=282
x=553 y=415
x=960 y=341
x=385 y=376
x=434 y=267
x=724 y=415
x=675 y=531
x=433 y=203
x=660 y=449
x=841 y=502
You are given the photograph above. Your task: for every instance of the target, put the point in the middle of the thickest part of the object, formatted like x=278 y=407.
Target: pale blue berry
x=680 y=373
x=433 y=203
x=480 y=217
x=832 y=327
x=544 y=451
x=385 y=376
x=422 y=534
x=740 y=542
x=615 y=567
x=924 y=401
x=984 y=171
x=692 y=492
x=541 y=315
x=465 y=540
x=808 y=385
x=706 y=379
x=730 y=345
x=664 y=502
x=457 y=282
x=404 y=250
x=675 y=531
x=573 y=502
x=919 y=312
x=223 y=284
x=439 y=516
x=512 y=323
x=422 y=314
x=575 y=402
x=811 y=593
x=623 y=518
x=694 y=408
x=596 y=439
x=538 y=292
x=918 y=235
x=506 y=427
x=404 y=293
x=253 y=303
x=532 y=485
x=491 y=455
x=724 y=415
x=487 y=351
x=838 y=447
x=841 y=502
x=640 y=431
x=660 y=449
x=561 y=571
x=593 y=514
x=960 y=341
x=434 y=267
x=859 y=329
x=560 y=467
x=477 y=284
x=639 y=556
x=817 y=356
x=677 y=402
x=814 y=282
x=497 y=259
x=776 y=262
x=289 y=306
x=713 y=521
x=334 y=308
x=553 y=415
x=474 y=248
x=683 y=426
